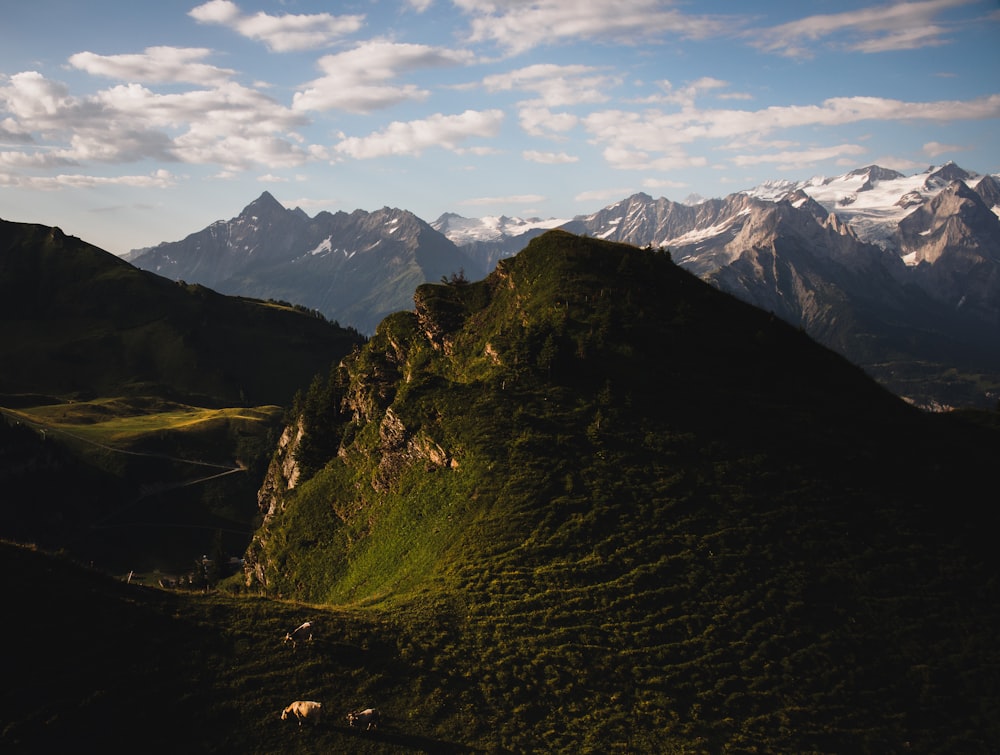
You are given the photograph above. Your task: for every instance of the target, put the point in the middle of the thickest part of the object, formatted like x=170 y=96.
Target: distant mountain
x=901 y=274
x=489 y=239
x=354 y=268
x=597 y=483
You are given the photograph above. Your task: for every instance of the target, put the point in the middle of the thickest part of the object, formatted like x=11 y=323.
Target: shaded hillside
x=124 y=378
x=648 y=518
x=108 y=667
x=80 y=321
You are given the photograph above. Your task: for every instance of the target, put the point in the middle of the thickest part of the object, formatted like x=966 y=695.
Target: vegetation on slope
x=133 y=384
x=617 y=510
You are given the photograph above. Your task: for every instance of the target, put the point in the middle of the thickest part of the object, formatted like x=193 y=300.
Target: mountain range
x=901 y=274
x=354 y=268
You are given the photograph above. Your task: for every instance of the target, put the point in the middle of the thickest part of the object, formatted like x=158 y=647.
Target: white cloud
x=549 y=158
x=507 y=200
x=285 y=33
x=601 y=195
x=158 y=179
x=520 y=26
x=156 y=64
x=356 y=80
x=897 y=26
x=556 y=85
x=230 y=125
x=413 y=137
x=540 y=121
x=935 y=149
x=794 y=159
x=657 y=139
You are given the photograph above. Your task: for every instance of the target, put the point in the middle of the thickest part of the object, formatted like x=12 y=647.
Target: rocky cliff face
x=388 y=448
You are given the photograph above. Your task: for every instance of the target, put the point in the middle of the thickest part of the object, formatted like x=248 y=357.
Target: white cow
x=303 y=710
x=367 y=718
x=304 y=632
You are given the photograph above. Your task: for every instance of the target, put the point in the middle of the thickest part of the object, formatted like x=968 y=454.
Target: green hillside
x=646 y=517
x=154 y=405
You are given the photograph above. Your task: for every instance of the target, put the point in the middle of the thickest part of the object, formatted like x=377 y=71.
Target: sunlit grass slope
x=629 y=513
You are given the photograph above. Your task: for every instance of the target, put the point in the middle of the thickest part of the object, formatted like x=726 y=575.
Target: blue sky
x=129 y=123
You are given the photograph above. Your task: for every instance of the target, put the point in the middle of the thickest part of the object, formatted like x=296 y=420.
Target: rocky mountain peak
x=264 y=206
x=873 y=174
x=946 y=174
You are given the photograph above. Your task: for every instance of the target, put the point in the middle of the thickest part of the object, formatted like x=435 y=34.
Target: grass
x=672 y=523
x=142 y=483
x=124 y=422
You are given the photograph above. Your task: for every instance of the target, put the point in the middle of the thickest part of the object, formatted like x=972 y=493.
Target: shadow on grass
x=414 y=742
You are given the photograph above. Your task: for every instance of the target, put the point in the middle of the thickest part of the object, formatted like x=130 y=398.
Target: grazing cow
x=303 y=710
x=367 y=718
x=304 y=632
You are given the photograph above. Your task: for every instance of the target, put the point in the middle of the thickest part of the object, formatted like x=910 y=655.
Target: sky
x=129 y=123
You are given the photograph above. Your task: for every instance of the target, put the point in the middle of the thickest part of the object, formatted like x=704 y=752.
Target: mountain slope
x=151 y=403
x=354 y=268
x=80 y=321
x=645 y=516
x=900 y=275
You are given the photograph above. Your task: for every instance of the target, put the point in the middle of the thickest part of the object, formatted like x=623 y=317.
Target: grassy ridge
x=646 y=517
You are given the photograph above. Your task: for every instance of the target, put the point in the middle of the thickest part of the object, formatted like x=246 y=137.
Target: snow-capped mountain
x=353 y=268
x=873 y=200
x=892 y=271
x=901 y=274
x=492 y=237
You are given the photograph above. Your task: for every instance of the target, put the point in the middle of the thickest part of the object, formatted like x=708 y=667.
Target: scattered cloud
x=229 y=125
x=285 y=33
x=358 y=80
x=518 y=26
x=549 y=158
x=506 y=200
x=556 y=85
x=795 y=159
x=657 y=139
x=540 y=121
x=603 y=195
x=154 y=65
x=413 y=137
x=882 y=28
x=935 y=149
x=158 y=179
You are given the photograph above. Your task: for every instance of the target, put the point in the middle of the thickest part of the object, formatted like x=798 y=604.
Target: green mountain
x=588 y=504
x=636 y=514
x=155 y=404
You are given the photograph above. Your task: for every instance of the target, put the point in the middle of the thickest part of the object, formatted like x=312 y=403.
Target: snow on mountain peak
x=872 y=199
x=461 y=230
